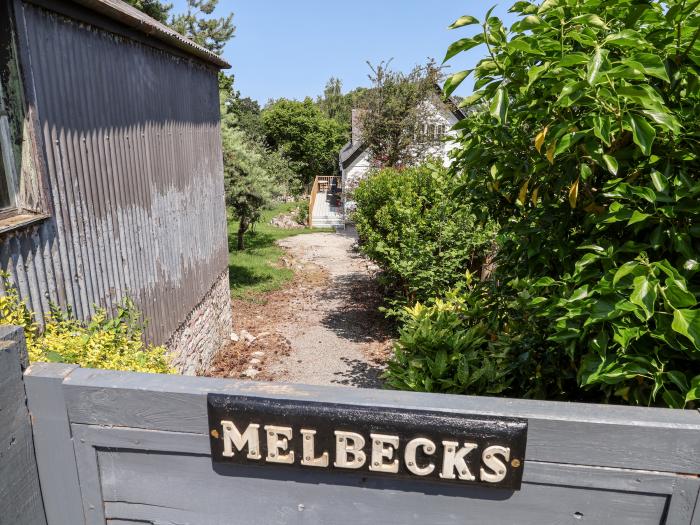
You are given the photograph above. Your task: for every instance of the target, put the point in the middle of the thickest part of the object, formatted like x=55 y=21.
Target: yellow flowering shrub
x=113 y=343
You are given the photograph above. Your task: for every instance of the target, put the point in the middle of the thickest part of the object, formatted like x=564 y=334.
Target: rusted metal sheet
x=133 y=153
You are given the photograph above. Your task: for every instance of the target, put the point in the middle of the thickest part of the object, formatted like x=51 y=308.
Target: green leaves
x=499 y=105
x=593 y=67
x=588 y=19
x=687 y=323
x=454 y=81
x=591 y=111
x=642 y=133
x=463 y=21
x=652 y=65
x=463 y=44
x=644 y=294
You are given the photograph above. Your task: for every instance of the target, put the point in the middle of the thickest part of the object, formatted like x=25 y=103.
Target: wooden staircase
x=325 y=210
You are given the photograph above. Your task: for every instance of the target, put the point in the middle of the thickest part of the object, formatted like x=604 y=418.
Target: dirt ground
x=323 y=328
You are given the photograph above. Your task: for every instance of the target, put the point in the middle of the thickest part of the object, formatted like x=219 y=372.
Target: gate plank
x=20 y=494
x=653 y=439
x=54 y=445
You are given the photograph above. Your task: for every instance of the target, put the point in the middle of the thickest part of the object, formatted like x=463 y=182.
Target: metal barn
x=111 y=180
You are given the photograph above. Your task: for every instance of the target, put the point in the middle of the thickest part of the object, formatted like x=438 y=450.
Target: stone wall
x=204 y=331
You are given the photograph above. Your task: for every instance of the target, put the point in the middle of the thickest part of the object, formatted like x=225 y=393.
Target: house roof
x=350 y=152
x=132 y=17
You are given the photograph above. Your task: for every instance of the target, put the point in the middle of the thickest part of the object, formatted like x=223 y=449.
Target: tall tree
x=198 y=25
x=396 y=111
x=306 y=137
x=153 y=8
x=337 y=105
x=249 y=184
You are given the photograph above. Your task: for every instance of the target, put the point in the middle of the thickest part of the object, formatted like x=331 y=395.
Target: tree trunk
x=242 y=228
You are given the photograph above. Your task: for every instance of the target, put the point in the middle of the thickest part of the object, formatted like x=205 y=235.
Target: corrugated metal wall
x=132 y=145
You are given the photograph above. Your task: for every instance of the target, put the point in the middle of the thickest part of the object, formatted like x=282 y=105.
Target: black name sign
x=439 y=446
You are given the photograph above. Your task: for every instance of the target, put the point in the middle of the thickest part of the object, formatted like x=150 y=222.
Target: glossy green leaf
x=471 y=99
x=499 y=105
x=642 y=133
x=611 y=164
x=463 y=44
x=687 y=323
x=463 y=21
x=625 y=269
x=520 y=44
x=454 y=81
x=659 y=180
x=637 y=216
x=601 y=127
x=678 y=378
x=652 y=65
x=588 y=19
x=664 y=119
x=644 y=294
x=626 y=38
x=574 y=59
x=677 y=294
x=594 y=64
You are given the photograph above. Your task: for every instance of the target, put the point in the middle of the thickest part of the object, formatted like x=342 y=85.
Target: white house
x=355 y=161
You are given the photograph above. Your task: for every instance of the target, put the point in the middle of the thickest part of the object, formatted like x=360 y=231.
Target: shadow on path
x=357 y=317
x=359 y=374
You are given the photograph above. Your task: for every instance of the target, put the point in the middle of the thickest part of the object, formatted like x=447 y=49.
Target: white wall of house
x=437 y=114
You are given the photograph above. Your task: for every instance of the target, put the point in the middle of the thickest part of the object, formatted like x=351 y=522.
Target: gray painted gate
x=125 y=448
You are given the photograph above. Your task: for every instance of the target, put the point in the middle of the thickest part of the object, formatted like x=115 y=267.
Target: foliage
x=443 y=348
x=153 y=8
x=303 y=212
x=586 y=155
x=308 y=139
x=338 y=105
x=423 y=239
x=394 y=113
x=249 y=184
x=198 y=25
x=257 y=269
x=104 y=342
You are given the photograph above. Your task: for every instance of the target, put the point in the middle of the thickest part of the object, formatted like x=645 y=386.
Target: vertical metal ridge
x=133 y=153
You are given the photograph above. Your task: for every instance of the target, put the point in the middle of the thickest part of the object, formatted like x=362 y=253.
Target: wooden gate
x=126 y=448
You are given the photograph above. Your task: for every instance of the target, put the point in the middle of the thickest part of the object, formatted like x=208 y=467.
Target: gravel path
x=335 y=333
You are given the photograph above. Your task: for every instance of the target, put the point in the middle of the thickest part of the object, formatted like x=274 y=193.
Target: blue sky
x=289 y=49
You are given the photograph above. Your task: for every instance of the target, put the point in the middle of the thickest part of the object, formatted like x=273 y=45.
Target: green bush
x=113 y=343
x=444 y=348
x=423 y=239
x=583 y=146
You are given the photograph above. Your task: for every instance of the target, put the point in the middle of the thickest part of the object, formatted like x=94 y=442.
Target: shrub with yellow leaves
x=104 y=342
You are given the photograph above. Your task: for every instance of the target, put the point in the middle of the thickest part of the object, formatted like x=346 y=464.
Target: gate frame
x=77 y=412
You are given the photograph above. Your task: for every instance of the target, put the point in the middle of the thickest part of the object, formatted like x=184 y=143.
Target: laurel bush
x=582 y=144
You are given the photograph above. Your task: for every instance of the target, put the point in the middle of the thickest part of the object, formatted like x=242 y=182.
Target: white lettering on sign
x=384 y=447
x=309 y=457
x=409 y=456
x=453 y=458
x=348 y=450
x=233 y=438
x=278 y=441
x=497 y=467
x=385 y=454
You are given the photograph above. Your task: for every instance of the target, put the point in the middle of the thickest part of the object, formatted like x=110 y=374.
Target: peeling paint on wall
x=132 y=147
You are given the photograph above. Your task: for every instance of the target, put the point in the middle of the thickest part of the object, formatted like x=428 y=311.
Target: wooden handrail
x=326 y=180
x=312 y=201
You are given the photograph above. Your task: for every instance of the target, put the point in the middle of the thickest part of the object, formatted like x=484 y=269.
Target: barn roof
x=132 y=17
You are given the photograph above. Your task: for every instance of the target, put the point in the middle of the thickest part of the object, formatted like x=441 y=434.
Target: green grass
x=256 y=269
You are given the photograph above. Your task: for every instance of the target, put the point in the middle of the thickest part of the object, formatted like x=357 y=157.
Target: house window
x=7 y=163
